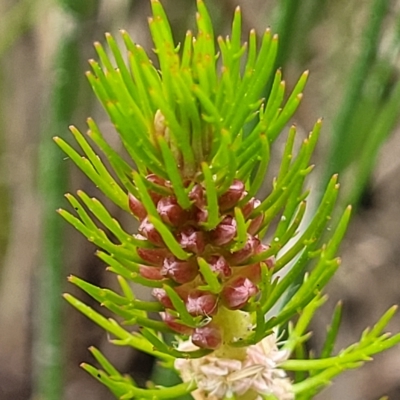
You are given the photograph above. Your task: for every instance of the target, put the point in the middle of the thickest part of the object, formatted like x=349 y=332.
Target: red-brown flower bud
x=196 y=195
x=207 y=337
x=200 y=215
x=192 y=240
x=270 y=261
x=136 y=207
x=178 y=270
x=170 y=321
x=224 y=232
x=246 y=252
x=153 y=256
x=248 y=208
x=171 y=212
x=158 y=181
x=162 y=297
x=255 y=224
x=252 y=272
x=230 y=198
x=147 y=229
x=219 y=265
x=153 y=273
x=237 y=292
x=201 y=303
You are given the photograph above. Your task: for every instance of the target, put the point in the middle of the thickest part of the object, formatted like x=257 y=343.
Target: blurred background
x=352 y=50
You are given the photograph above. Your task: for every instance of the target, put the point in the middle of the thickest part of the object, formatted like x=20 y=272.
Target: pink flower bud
x=201 y=303
x=178 y=270
x=171 y=212
x=136 y=207
x=252 y=272
x=147 y=229
x=158 y=181
x=219 y=265
x=237 y=292
x=255 y=224
x=207 y=337
x=162 y=297
x=230 y=198
x=196 y=195
x=153 y=273
x=248 y=208
x=200 y=215
x=224 y=232
x=192 y=240
x=270 y=261
x=170 y=321
x=153 y=256
x=246 y=252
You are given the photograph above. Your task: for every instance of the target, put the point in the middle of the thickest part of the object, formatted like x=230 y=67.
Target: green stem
x=48 y=357
x=16 y=21
x=286 y=29
x=342 y=138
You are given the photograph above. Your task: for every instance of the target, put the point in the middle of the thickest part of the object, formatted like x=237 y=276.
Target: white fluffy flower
x=258 y=373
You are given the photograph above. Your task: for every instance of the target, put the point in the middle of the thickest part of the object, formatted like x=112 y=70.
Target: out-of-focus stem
x=341 y=136
x=48 y=353
x=286 y=29
x=16 y=21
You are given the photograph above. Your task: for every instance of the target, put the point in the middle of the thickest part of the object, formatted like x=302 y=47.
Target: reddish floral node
x=136 y=207
x=196 y=195
x=242 y=255
x=171 y=212
x=237 y=292
x=219 y=265
x=224 y=233
x=153 y=256
x=147 y=229
x=181 y=271
x=162 y=297
x=172 y=323
x=207 y=337
x=201 y=303
x=152 y=273
x=230 y=198
x=192 y=240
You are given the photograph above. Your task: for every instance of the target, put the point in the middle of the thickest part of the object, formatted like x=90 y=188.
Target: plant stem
x=342 y=138
x=53 y=176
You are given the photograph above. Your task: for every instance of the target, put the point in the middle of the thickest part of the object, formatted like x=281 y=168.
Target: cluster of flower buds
x=231 y=265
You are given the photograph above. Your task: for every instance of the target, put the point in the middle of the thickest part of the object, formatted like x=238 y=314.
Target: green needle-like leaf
x=209 y=276
x=332 y=332
x=212 y=199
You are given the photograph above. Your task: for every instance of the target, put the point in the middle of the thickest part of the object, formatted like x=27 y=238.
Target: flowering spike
x=199 y=133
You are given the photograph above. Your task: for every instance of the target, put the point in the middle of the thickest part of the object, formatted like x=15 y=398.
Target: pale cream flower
x=220 y=378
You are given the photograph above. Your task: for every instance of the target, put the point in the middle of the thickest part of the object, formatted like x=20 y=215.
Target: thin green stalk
x=287 y=23
x=16 y=21
x=341 y=136
x=48 y=357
